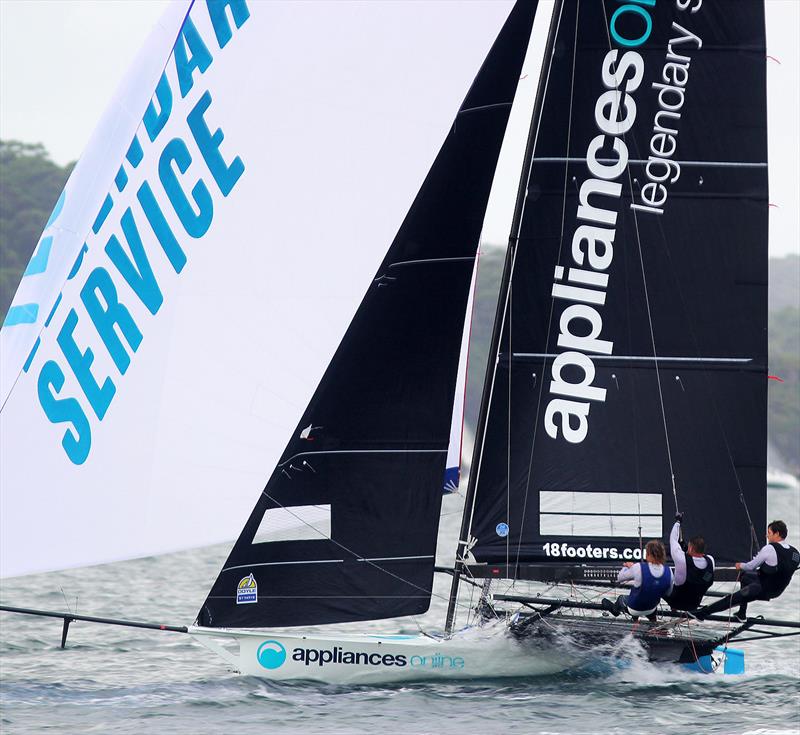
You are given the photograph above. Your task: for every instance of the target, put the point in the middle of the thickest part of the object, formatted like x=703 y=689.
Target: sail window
x=297 y=523
x=567 y=513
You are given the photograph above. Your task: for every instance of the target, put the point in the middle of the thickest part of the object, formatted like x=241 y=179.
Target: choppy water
x=123 y=680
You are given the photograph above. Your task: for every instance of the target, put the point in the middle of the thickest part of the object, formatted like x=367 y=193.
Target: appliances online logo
x=272 y=655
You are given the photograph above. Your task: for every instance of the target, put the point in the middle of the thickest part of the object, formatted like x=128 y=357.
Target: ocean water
x=125 y=680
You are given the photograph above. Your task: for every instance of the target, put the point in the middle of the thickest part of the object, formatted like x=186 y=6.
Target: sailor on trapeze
x=651 y=580
x=693 y=573
x=765 y=576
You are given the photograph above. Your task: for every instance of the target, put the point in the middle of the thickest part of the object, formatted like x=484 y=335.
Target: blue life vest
x=653 y=588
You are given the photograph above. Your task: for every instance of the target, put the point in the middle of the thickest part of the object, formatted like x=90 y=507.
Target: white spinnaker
x=336 y=113
x=73 y=215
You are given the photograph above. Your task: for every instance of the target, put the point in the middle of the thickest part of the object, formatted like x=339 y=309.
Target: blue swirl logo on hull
x=271 y=654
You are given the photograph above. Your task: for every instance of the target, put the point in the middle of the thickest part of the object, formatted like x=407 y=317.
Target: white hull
x=376 y=659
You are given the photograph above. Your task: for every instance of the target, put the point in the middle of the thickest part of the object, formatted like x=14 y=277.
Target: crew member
x=651 y=580
x=693 y=573
x=765 y=576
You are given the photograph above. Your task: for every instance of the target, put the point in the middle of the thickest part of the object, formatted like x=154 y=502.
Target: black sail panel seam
x=644 y=162
x=484 y=108
x=362 y=451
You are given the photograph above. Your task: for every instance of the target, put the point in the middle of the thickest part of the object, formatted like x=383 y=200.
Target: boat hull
x=529 y=647
x=665 y=642
x=373 y=659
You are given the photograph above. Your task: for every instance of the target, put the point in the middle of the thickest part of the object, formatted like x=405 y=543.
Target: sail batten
x=644 y=358
x=644 y=162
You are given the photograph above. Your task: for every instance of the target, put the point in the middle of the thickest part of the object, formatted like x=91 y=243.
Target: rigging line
x=754 y=544
x=639 y=505
x=508 y=426
x=552 y=299
x=64 y=595
x=610 y=515
x=415 y=620
x=350 y=551
x=282 y=563
x=647 y=304
x=753 y=535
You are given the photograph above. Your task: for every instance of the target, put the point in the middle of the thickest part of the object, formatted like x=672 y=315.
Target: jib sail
x=361 y=476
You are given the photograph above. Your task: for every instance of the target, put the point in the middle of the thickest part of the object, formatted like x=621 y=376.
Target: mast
x=502 y=301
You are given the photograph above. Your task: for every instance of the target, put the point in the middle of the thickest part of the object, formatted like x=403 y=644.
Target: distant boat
x=779 y=480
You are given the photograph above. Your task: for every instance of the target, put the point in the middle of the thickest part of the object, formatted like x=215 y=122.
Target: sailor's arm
x=766 y=555
x=630 y=573
x=676 y=552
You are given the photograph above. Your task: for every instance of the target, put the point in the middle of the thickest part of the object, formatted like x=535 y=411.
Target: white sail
x=497 y=223
x=250 y=201
x=452 y=475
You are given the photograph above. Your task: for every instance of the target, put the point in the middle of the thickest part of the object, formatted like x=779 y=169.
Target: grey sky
x=60 y=61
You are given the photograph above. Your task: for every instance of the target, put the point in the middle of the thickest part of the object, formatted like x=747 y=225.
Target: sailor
x=693 y=573
x=651 y=580
x=765 y=576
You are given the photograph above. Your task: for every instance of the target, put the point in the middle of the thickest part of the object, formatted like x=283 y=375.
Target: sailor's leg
x=620 y=605
x=747 y=578
x=722 y=604
x=750 y=592
x=650 y=614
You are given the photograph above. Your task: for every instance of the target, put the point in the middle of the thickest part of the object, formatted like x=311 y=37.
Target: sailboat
x=626 y=377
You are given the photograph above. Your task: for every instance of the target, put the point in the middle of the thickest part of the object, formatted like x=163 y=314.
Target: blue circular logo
x=501 y=529
x=271 y=654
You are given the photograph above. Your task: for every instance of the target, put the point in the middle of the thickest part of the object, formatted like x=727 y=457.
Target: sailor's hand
x=679 y=517
x=738 y=565
x=628 y=564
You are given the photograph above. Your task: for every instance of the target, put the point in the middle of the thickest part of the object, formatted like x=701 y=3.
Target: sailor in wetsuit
x=693 y=573
x=651 y=580
x=765 y=576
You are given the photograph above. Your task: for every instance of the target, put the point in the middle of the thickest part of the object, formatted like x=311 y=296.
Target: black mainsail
x=367 y=458
x=631 y=368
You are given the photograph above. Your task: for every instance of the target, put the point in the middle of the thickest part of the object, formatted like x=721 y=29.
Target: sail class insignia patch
x=247 y=590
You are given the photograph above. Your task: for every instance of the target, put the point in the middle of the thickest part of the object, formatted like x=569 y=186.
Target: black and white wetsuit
x=693 y=575
x=775 y=564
